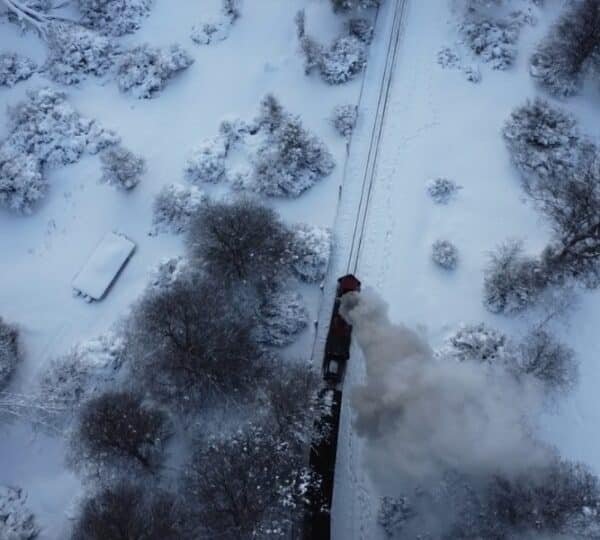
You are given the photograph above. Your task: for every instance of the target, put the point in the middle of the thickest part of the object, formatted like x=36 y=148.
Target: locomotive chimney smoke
x=422 y=416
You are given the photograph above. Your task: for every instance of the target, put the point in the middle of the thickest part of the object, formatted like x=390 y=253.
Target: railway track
x=370 y=170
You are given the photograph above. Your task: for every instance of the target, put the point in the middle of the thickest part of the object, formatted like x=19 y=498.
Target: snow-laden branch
x=40 y=21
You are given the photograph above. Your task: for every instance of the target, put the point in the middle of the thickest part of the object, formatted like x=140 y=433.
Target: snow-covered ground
x=42 y=252
x=439 y=124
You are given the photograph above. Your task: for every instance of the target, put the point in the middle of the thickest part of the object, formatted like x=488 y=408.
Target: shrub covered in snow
x=15 y=68
x=141 y=512
x=513 y=281
x=114 y=17
x=174 y=207
x=218 y=30
x=144 y=70
x=121 y=168
x=29 y=149
x=281 y=318
x=570 y=50
x=444 y=254
x=393 y=513
x=290 y=159
x=9 y=351
x=361 y=29
x=16 y=521
x=207 y=162
x=83 y=372
x=441 y=190
x=167 y=272
x=75 y=52
x=344 y=119
x=346 y=5
x=345 y=59
x=118 y=428
x=493 y=42
x=311 y=249
x=477 y=342
x=543 y=140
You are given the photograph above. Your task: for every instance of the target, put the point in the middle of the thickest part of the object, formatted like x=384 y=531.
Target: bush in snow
x=75 y=52
x=118 y=429
x=16 y=521
x=493 y=42
x=477 y=342
x=346 y=5
x=344 y=119
x=290 y=159
x=281 y=317
x=444 y=254
x=174 y=207
x=543 y=141
x=207 y=162
x=83 y=372
x=393 y=513
x=129 y=511
x=345 y=59
x=218 y=30
x=9 y=351
x=241 y=241
x=45 y=131
x=570 y=50
x=361 y=29
x=167 y=272
x=441 y=190
x=114 y=17
x=121 y=168
x=144 y=70
x=311 y=249
x=513 y=281
x=15 y=68
x=246 y=485
x=541 y=356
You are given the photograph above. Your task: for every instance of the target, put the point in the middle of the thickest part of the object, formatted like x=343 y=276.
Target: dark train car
x=337 y=346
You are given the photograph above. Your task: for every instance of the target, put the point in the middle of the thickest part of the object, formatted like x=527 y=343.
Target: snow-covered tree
x=513 y=280
x=344 y=119
x=17 y=522
x=393 y=513
x=570 y=50
x=207 y=161
x=174 y=207
x=477 y=342
x=15 y=68
x=119 y=429
x=167 y=272
x=121 y=167
x=144 y=70
x=75 y=52
x=9 y=351
x=129 y=511
x=444 y=254
x=114 y=17
x=442 y=190
x=361 y=29
x=28 y=149
x=347 y=5
x=345 y=59
x=543 y=141
x=311 y=250
x=281 y=317
x=493 y=42
x=218 y=30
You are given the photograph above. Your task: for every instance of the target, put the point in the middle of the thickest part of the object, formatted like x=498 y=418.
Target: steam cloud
x=422 y=416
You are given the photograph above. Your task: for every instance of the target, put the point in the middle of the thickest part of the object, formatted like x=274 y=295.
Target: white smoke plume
x=422 y=416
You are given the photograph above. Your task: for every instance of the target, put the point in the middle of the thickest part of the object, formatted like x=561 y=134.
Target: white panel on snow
x=103 y=266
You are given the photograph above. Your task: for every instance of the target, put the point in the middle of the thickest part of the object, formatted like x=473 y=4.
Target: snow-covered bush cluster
x=311 y=250
x=477 y=342
x=347 y=5
x=444 y=254
x=344 y=119
x=17 y=522
x=218 y=30
x=121 y=168
x=114 y=17
x=442 y=190
x=45 y=131
x=174 y=207
x=393 y=513
x=167 y=272
x=281 y=318
x=283 y=158
x=493 y=42
x=86 y=370
x=570 y=51
x=361 y=29
x=15 y=68
x=448 y=58
x=9 y=352
x=144 y=70
x=75 y=52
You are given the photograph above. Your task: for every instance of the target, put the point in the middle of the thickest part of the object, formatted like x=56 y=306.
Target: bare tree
x=129 y=512
x=119 y=427
x=9 y=351
x=240 y=242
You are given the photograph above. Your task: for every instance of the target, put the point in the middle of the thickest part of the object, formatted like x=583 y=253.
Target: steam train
x=337 y=345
